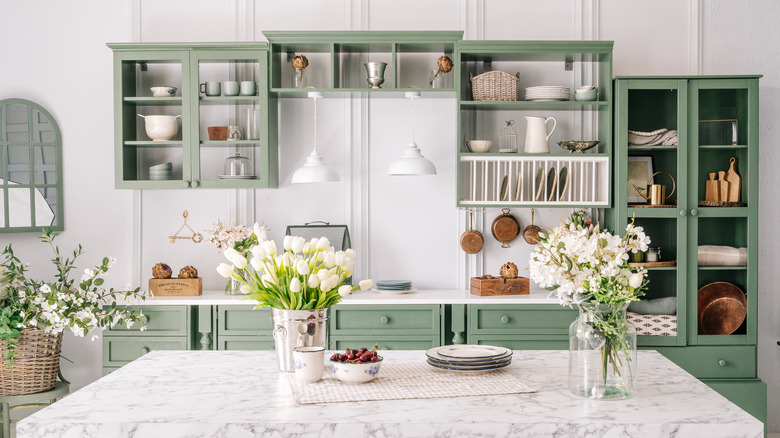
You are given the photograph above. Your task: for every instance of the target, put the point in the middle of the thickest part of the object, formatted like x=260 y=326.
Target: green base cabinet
x=395 y=327
x=520 y=327
x=242 y=328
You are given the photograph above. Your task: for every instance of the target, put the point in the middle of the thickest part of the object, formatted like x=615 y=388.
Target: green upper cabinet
x=690 y=128
x=197 y=157
x=336 y=61
x=513 y=176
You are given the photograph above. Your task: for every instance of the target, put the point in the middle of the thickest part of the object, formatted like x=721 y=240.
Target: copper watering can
x=656 y=193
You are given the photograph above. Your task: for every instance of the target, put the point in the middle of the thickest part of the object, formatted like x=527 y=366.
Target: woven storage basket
x=37 y=363
x=494 y=85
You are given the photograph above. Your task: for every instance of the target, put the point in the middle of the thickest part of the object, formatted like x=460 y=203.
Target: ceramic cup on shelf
x=211 y=88
x=309 y=363
x=230 y=88
x=248 y=88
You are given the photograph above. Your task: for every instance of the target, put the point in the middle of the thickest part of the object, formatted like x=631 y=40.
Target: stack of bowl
x=586 y=93
x=161 y=172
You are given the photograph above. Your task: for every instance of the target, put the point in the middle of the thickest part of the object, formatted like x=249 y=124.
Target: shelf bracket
x=568 y=64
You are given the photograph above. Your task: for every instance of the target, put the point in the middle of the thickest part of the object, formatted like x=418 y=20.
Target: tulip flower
x=345 y=290
x=314 y=281
x=225 y=270
x=244 y=289
x=236 y=258
x=329 y=260
x=258 y=252
x=366 y=284
x=269 y=246
x=287 y=242
x=323 y=244
x=295 y=285
x=302 y=267
x=297 y=244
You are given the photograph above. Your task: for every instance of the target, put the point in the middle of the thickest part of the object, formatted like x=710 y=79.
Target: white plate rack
x=584 y=182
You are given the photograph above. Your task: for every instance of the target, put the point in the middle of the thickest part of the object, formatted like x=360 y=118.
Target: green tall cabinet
x=716 y=118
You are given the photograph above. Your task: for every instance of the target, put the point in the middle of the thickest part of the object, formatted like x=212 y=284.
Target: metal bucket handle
x=280 y=333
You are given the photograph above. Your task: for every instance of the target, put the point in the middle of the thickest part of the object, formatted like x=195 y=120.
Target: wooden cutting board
x=724 y=186
x=712 y=188
x=735 y=183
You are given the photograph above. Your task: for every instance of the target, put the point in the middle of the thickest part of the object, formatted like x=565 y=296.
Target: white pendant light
x=412 y=161
x=314 y=170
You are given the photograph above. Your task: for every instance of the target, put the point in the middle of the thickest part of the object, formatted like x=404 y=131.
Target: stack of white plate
x=551 y=92
x=469 y=358
x=161 y=171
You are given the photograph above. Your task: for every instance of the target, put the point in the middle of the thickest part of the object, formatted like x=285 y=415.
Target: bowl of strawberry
x=356 y=365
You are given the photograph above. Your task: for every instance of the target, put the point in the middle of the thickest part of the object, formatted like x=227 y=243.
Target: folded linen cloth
x=658 y=306
x=662 y=137
x=714 y=255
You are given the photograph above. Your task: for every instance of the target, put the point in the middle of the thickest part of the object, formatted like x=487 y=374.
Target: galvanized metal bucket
x=298 y=328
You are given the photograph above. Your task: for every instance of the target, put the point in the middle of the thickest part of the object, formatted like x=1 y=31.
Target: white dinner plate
x=237 y=177
x=433 y=355
x=472 y=371
x=472 y=351
x=467 y=364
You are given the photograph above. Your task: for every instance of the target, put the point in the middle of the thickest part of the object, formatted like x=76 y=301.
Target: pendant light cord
x=315 y=124
x=412 y=119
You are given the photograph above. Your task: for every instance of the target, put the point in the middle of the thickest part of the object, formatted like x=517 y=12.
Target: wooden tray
x=653 y=264
x=499 y=286
x=176 y=287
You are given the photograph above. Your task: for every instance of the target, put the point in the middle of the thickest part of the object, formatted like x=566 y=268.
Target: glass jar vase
x=298 y=79
x=602 y=353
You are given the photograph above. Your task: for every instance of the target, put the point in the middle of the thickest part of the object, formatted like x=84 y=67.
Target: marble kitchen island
x=241 y=394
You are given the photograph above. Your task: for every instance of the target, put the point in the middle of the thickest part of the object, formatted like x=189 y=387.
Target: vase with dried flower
x=299 y=63
x=441 y=77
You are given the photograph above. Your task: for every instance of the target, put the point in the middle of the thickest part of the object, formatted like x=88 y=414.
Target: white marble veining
x=240 y=394
x=368 y=297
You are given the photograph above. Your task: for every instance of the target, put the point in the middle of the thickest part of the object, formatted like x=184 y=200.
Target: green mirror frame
x=31 y=195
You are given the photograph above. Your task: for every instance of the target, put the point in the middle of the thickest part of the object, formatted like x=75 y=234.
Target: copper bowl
x=722 y=308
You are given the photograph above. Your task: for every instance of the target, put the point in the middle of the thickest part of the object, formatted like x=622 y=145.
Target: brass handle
x=505 y=319
x=384 y=319
x=722 y=363
x=144 y=350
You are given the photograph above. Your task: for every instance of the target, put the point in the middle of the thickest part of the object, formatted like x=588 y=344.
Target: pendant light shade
x=315 y=170
x=412 y=161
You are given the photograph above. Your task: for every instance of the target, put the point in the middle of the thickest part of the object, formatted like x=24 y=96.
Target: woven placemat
x=406 y=381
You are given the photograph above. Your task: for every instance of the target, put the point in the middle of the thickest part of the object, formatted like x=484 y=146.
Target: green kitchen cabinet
x=197 y=160
x=497 y=179
x=336 y=61
x=716 y=119
x=521 y=327
x=239 y=327
x=395 y=327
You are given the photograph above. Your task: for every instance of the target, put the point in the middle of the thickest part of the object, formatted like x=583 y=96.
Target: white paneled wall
x=403 y=227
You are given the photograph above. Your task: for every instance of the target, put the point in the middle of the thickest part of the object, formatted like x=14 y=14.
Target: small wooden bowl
x=217 y=133
x=722 y=308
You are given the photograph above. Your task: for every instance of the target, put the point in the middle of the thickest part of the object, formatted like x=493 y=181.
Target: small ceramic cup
x=248 y=88
x=211 y=88
x=230 y=88
x=309 y=363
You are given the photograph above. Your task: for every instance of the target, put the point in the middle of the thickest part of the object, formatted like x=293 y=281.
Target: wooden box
x=176 y=287
x=499 y=286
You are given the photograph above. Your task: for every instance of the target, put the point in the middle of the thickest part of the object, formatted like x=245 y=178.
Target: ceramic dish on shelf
x=467 y=351
x=394 y=292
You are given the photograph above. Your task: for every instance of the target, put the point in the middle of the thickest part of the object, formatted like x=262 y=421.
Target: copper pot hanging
x=471 y=241
x=505 y=228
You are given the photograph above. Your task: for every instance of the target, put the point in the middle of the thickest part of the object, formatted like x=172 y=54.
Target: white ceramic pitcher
x=536 y=135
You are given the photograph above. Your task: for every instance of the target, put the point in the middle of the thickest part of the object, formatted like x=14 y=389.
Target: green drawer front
x=524 y=342
x=245 y=343
x=750 y=395
x=242 y=320
x=160 y=321
x=109 y=370
x=382 y=320
x=119 y=351
x=714 y=362
x=344 y=342
x=526 y=319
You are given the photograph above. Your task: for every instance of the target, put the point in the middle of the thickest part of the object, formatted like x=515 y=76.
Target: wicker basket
x=37 y=363
x=494 y=85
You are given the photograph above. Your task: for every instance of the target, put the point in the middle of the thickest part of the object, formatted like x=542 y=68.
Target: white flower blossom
x=366 y=284
x=345 y=290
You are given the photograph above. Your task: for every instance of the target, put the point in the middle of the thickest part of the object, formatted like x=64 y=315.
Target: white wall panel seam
x=695 y=37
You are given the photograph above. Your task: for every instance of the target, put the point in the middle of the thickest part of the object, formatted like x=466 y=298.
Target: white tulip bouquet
x=584 y=265
x=308 y=275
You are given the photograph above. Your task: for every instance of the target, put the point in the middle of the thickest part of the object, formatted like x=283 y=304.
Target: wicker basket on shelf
x=494 y=85
x=37 y=361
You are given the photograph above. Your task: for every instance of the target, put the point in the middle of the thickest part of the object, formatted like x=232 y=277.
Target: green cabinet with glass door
x=715 y=119
x=197 y=160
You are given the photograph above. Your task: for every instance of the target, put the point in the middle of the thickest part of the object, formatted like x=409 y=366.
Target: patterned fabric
x=653 y=325
x=407 y=381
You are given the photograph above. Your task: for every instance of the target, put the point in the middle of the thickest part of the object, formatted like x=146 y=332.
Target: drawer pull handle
x=505 y=319
x=722 y=363
x=144 y=350
x=384 y=319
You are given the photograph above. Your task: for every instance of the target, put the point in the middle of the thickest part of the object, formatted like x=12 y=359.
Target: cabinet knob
x=694 y=212
x=683 y=213
x=144 y=350
x=384 y=320
x=722 y=363
x=195 y=184
x=505 y=319
x=186 y=184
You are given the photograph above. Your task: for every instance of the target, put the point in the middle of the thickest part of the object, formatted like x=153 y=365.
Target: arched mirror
x=30 y=168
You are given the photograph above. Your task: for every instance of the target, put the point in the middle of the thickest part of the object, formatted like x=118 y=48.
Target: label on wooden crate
x=500 y=286
x=176 y=287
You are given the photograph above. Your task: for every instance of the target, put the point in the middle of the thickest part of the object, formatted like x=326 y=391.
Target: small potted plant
x=34 y=314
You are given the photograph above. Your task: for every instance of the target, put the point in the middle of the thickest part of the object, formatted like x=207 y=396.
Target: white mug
x=309 y=363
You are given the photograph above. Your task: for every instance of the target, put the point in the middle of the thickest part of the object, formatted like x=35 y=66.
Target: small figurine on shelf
x=299 y=63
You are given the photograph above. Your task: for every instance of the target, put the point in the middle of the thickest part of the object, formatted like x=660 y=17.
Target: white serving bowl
x=586 y=95
x=584 y=88
x=360 y=372
x=163 y=91
x=161 y=128
x=479 y=146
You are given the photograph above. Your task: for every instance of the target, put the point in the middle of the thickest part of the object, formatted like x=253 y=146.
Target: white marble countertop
x=368 y=297
x=241 y=394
